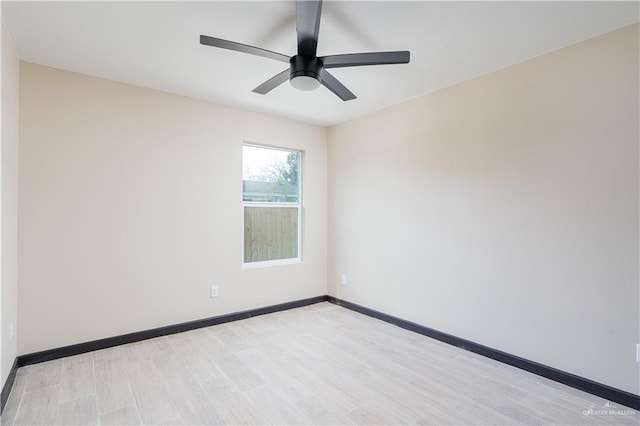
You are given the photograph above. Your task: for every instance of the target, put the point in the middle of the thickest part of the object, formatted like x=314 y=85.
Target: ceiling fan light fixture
x=305 y=83
x=306 y=69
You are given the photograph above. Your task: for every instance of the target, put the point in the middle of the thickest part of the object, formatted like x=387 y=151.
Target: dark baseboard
x=8 y=385
x=607 y=392
x=108 y=342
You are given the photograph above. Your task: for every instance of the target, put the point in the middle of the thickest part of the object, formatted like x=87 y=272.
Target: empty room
x=307 y=212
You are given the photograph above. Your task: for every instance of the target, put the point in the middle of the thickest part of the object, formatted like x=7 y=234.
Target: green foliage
x=280 y=172
x=290 y=173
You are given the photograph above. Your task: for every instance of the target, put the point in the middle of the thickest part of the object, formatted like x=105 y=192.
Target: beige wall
x=503 y=210
x=131 y=208
x=9 y=211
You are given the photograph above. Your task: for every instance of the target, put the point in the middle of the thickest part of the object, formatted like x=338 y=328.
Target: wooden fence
x=270 y=233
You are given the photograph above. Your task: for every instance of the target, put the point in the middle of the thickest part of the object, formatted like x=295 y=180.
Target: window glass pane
x=270 y=233
x=270 y=175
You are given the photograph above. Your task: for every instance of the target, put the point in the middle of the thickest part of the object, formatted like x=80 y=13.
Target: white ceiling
x=156 y=45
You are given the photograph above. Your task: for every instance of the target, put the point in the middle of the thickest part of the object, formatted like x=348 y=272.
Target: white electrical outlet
x=343 y=279
x=638 y=352
x=12 y=331
x=214 y=291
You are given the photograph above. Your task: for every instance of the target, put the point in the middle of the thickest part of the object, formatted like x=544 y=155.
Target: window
x=271 y=199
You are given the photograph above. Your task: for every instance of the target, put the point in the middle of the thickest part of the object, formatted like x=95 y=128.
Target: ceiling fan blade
x=273 y=82
x=360 y=59
x=332 y=83
x=308 y=25
x=244 y=48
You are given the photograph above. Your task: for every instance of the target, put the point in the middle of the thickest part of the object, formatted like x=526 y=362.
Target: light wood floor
x=321 y=364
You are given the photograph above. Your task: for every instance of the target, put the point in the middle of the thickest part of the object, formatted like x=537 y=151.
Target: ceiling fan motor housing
x=305 y=66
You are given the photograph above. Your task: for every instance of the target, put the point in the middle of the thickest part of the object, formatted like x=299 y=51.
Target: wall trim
x=604 y=391
x=8 y=385
x=80 y=348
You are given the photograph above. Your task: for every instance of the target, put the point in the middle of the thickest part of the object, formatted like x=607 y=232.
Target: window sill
x=270 y=263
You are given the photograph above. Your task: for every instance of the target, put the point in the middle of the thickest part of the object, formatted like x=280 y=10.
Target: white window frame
x=277 y=262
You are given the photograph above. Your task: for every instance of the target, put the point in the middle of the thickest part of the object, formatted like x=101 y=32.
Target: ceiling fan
x=306 y=70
